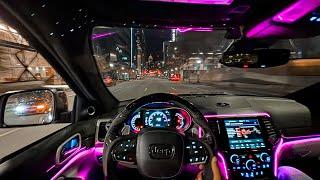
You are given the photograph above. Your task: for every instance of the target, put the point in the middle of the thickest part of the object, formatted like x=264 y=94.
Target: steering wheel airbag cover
x=159 y=153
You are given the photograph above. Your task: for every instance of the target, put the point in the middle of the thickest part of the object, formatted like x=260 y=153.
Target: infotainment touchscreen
x=244 y=134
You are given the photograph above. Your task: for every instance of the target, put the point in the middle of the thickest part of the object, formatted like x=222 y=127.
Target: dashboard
x=245 y=141
x=248 y=130
x=160 y=115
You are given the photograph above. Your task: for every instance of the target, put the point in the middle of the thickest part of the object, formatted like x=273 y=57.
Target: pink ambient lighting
x=265 y=29
x=207 y=2
x=236 y=115
x=282 y=145
x=90 y=154
x=199 y=29
x=102 y=35
x=291 y=14
x=296 y=11
x=276 y=158
x=81 y=154
x=200 y=132
x=222 y=164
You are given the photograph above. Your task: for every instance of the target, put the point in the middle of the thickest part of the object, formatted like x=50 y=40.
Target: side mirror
x=32 y=107
x=258 y=58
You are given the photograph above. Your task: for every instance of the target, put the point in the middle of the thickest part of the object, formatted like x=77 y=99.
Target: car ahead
x=175 y=77
x=247 y=106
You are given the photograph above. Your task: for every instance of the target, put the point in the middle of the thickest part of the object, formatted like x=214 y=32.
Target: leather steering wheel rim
x=112 y=136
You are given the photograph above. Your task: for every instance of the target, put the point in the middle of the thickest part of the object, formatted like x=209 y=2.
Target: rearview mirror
x=258 y=58
x=29 y=107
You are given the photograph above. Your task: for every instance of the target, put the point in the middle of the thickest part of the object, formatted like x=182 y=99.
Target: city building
x=20 y=62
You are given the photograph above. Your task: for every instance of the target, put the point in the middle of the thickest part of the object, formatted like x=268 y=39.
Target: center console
x=246 y=144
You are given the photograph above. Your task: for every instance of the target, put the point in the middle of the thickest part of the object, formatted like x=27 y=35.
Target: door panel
x=35 y=159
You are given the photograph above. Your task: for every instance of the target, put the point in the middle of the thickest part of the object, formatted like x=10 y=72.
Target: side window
x=23 y=68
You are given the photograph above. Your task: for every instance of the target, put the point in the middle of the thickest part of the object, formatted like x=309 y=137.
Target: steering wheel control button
x=125 y=151
x=195 y=153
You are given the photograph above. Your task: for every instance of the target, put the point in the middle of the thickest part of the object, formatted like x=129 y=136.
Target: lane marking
x=9 y=132
x=145 y=89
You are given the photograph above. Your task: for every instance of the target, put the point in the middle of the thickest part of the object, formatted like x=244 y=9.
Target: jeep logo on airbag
x=161 y=151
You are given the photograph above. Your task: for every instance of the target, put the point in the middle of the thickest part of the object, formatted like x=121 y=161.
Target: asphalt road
x=138 y=88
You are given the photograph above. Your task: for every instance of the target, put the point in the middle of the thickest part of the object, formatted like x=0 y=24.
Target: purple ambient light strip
x=266 y=28
x=222 y=162
x=283 y=145
x=236 y=115
x=296 y=11
x=276 y=158
x=289 y=15
x=102 y=35
x=198 y=29
x=208 y=2
x=199 y=132
x=71 y=161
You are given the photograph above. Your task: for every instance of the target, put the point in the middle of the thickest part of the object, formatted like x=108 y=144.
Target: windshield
x=134 y=62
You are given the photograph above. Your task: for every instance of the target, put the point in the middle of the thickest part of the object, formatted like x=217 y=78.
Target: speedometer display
x=136 y=123
x=158 y=119
x=180 y=121
x=170 y=117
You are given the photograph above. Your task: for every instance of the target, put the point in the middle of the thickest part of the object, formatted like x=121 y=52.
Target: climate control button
x=264 y=157
x=251 y=164
x=235 y=159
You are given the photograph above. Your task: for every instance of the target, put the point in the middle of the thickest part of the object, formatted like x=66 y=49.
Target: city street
x=246 y=86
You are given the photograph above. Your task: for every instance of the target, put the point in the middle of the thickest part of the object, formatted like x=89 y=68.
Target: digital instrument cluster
x=160 y=118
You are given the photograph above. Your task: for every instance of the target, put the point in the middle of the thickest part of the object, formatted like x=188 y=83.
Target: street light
x=199 y=61
x=171 y=70
x=122 y=68
x=176 y=69
x=111 y=65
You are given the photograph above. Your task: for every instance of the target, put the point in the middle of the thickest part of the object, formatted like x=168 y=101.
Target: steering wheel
x=158 y=153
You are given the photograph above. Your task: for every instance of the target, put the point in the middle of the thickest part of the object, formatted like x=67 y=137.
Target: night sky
x=154 y=39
